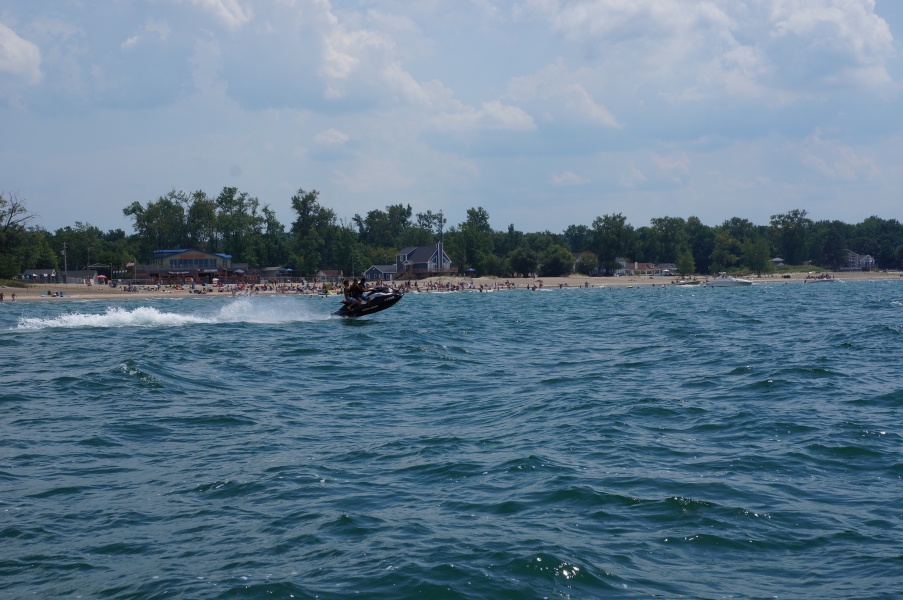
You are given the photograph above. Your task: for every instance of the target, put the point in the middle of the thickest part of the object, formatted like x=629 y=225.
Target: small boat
x=379 y=299
x=687 y=282
x=821 y=279
x=725 y=280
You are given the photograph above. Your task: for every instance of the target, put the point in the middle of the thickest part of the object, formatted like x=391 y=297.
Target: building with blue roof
x=191 y=264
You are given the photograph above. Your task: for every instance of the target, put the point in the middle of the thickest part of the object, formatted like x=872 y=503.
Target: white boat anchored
x=725 y=280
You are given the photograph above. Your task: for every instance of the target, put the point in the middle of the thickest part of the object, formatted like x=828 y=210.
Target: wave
x=241 y=310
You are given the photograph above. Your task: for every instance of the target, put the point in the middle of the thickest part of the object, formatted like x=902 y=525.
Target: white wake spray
x=266 y=310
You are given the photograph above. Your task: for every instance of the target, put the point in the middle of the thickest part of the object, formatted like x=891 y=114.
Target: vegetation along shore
x=238 y=224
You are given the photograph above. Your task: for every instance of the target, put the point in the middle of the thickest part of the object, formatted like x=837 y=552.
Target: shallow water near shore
x=667 y=442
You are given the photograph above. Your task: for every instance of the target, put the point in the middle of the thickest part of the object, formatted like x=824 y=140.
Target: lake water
x=615 y=443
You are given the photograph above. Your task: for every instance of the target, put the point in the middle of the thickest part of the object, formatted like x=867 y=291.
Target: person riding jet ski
x=377 y=299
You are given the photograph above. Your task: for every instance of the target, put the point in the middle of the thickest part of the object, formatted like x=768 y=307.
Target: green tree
x=239 y=224
x=579 y=238
x=494 y=265
x=159 y=224
x=202 y=227
x=756 y=255
x=789 y=232
x=587 y=262
x=828 y=247
x=702 y=243
x=384 y=228
x=723 y=255
x=472 y=241
x=14 y=219
x=612 y=236
x=556 y=261
x=685 y=263
x=670 y=234
x=523 y=261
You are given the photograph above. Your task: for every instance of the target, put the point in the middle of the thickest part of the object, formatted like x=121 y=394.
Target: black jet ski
x=374 y=301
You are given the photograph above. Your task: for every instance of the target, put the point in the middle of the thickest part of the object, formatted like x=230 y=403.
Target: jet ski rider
x=356 y=291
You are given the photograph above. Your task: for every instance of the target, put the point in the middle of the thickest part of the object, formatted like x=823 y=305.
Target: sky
x=544 y=112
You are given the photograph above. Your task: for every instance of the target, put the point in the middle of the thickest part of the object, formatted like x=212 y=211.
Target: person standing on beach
x=1 y=296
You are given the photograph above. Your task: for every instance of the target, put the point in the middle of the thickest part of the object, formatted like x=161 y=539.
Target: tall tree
x=239 y=223
x=578 y=238
x=685 y=263
x=14 y=220
x=159 y=224
x=523 y=261
x=756 y=255
x=789 y=231
x=724 y=254
x=612 y=236
x=556 y=261
x=671 y=237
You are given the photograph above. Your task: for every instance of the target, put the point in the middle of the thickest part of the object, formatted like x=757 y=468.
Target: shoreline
x=78 y=292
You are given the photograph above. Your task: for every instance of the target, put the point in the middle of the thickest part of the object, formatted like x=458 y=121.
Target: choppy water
x=740 y=443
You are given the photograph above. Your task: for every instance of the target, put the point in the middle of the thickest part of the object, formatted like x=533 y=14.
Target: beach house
x=858 y=262
x=275 y=274
x=642 y=268
x=381 y=273
x=329 y=275
x=414 y=262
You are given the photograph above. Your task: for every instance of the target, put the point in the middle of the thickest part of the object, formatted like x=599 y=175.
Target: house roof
x=165 y=253
x=389 y=269
x=407 y=250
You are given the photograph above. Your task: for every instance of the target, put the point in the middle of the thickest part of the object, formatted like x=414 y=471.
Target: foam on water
x=143 y=316
x=241 y=310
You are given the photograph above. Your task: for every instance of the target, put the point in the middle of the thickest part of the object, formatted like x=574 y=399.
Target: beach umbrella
x=101 y=276
x=470 y=270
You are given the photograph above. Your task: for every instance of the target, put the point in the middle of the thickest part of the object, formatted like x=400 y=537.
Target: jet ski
x=374 y=301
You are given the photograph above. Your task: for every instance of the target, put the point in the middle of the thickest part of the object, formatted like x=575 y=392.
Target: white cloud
x=562 y=92
x=373 y=175
x=836 y=161
x=331 y=137
x=568 y=178
x=19 y=56
x=632 y=176
x=231 y=12
x=672 y=163
x=493 y=115
x=693 y=49
x=130 y=42
x=161 y=28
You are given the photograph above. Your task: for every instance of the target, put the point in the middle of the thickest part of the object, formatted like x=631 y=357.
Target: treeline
x=236 y=223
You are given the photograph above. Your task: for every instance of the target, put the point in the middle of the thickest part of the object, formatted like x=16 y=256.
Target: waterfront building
x=190 y=265
x=858 y=262
x=40 y=275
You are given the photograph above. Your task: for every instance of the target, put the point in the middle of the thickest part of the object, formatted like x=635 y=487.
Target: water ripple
x=581 y=443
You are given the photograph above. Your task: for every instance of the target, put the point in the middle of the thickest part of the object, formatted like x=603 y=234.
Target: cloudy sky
x=545 y=112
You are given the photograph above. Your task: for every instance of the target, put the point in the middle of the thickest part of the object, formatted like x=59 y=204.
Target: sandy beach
x=104 y=292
